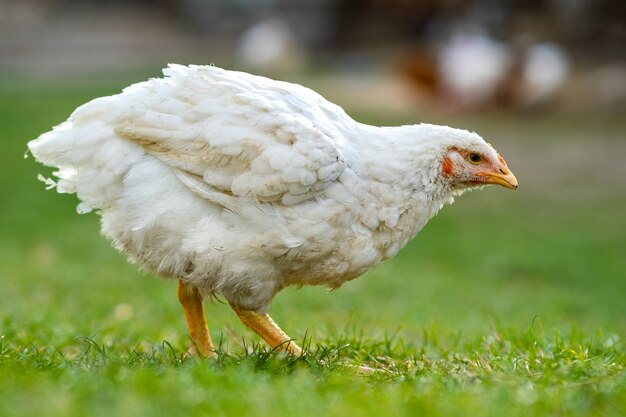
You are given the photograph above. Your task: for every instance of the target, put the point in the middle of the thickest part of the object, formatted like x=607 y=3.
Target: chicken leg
x=264 y=326
x=191 y=300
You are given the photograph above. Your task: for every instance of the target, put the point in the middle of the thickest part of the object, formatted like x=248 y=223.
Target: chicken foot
x=268 y=330
x=191 y=300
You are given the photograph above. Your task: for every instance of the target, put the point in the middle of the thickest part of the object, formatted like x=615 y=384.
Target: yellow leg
x=264 y=326
x=191 y=301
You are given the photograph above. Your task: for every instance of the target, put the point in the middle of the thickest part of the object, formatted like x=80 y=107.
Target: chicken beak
x=502 y=176
x=506 y=179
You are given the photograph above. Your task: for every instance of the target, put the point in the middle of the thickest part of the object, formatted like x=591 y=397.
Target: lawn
x=507 y=304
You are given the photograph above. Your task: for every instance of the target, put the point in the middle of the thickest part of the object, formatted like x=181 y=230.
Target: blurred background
x=455 y=55
x=543 y=80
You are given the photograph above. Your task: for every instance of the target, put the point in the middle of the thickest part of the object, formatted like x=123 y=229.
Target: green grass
x=507 y=304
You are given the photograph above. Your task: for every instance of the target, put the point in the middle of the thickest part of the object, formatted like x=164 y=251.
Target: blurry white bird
x=544 y=71
x=268 y=46
x=239 y=185
x=472 y=66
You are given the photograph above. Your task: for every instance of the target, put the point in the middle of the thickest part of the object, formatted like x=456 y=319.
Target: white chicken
x=240 y=185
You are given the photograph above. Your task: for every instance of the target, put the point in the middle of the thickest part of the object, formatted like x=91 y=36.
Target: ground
x=508 y=303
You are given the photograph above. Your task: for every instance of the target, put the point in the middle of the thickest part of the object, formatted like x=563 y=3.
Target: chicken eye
x=475 y=158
